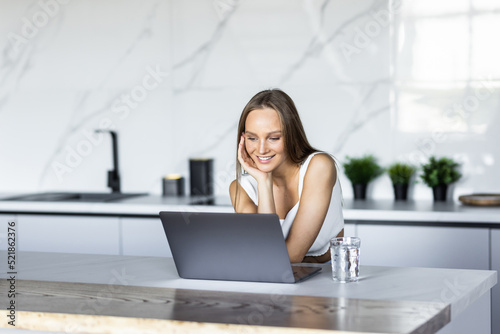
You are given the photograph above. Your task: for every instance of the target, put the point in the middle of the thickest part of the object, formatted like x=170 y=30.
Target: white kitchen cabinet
x=424 y=246
x=69 y=234
x=349 y=230
x=144 y=237
x=437 y=247
x=495 y=291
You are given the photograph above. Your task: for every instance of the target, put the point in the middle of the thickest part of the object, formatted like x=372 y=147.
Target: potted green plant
x=401 y=174
x=361 y=171
x=438 y=174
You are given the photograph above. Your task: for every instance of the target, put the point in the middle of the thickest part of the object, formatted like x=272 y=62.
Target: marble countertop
x=149 y=205
x=424 y=292
x=368 y=210
x=419 y=211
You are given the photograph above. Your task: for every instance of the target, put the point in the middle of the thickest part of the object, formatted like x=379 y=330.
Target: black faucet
x=113 y=175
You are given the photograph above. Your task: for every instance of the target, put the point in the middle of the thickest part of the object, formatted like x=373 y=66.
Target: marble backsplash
x=402 y=80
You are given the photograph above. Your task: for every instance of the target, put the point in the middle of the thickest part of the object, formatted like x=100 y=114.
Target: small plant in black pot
x=401 y=174
x=438 y=174
x=361 y=171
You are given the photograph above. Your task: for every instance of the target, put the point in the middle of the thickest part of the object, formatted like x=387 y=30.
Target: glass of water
x=345 y=259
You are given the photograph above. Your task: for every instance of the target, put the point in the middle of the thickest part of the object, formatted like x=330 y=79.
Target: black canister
x=173 y=185
x=201 y=176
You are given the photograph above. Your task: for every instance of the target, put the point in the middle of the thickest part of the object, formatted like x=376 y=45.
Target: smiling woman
x=285 y=175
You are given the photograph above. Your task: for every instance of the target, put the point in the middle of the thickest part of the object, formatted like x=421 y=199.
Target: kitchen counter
x=145 y=293
x=132 y=227
x=420 y=211
x=142 y=206
x=369 y=210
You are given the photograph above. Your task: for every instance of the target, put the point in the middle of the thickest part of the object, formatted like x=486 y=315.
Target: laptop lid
x=230 y=246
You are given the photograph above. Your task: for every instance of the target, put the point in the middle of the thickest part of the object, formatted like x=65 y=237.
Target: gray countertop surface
x=367 y=210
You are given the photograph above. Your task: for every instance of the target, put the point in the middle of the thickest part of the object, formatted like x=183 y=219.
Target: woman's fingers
x=242 y=154
x=246 y=162
x=240 y=149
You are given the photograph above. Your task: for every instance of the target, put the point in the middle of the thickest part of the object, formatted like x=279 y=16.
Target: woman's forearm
x=266 y=198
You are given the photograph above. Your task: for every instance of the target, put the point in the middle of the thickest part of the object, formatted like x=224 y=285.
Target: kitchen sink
x=73 y=197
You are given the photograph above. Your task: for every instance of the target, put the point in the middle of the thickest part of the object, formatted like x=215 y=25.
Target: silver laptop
x=231 y=246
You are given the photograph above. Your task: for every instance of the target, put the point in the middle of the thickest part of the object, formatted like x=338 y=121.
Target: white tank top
x=334 y=220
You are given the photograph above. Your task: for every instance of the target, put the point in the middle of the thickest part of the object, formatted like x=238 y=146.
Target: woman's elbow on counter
x=296 y=257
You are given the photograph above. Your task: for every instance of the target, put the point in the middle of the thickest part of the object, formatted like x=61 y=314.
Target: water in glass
x=345 y=259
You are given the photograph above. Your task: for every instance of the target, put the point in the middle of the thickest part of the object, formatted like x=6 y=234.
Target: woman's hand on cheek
x=248 y=164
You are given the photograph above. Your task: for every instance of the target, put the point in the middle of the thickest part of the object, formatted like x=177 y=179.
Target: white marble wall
x=400 y=80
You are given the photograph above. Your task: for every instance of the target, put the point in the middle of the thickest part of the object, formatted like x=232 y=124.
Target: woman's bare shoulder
x=322 y=166
x=232 y=187
x=323 y=160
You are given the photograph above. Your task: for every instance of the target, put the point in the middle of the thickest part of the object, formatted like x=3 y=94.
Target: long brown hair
x=295 y=141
